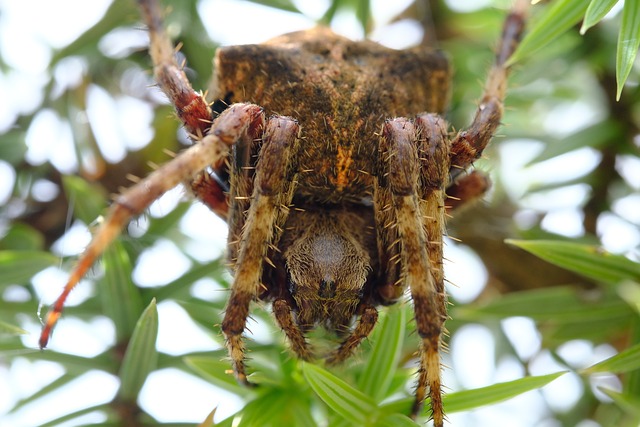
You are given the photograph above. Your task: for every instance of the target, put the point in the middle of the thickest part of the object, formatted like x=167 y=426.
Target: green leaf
x=595 y=12
x=119 y=296
x=628 y=42
x=593 y=136
x=630 y=293
x=141 y=355
x=13 y=147
x=471 y=399
x=50 y=388
x=9 y=329
x=87 y=200
x=331 y=12
x=396 y=420
x=286 y=5
x=363 y=13
x=18 y=267
x=383 y=363
x=68 y=417
x=22 y=237
x=625 y=361
x=277 y=407
x=628 y=403
x=76 y=364
x=265 y=409
x=558 y=18
x=588 y=261
x=350 y=403
x=227 y=422
x=213 y=369
x=563 y=304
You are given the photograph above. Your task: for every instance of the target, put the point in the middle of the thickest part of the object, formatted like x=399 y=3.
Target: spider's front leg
x=468 y=145
x=415 y=167
x=270 y=200
x=191 y=106
x=231 y=126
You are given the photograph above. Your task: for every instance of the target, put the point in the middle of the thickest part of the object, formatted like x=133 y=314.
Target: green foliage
x=563 y=15
x=599 y=304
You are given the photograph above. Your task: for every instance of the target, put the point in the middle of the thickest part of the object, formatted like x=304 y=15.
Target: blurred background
x=79 y=112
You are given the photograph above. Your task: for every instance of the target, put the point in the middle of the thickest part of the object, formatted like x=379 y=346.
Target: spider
x=334 y=169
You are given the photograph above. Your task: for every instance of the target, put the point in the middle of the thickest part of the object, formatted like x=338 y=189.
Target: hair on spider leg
x=133 y=178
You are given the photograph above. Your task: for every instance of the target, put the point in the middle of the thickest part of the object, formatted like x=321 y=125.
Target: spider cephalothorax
x=331 y=166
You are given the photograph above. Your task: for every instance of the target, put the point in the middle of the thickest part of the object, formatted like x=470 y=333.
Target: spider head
x=327 y=266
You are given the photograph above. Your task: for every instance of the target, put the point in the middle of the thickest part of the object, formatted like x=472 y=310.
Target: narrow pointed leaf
x=266 y=409
x=141 y=355
x=68 y=417
x=214 y=369
x=52 y=388
x=119 y=296
x=76 y=365
x=588 y=261
x=559 y=17
x=350 y=403
x=563 y=304
x=22 y=237
x=595 y=12
x=381 y=367
x=471 y=399
x=625 y=361
x=628 y=42
x=628 y=403
x=278 y=407
x=396 y=420
x=593 y=136
x=630 y=293
x=18 y=267
x=9 y=329
x=286 y=5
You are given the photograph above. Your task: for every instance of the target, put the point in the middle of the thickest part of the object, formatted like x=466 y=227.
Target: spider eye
x=327 y=289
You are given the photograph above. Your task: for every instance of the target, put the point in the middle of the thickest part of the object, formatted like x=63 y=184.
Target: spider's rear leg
x=271 y=197
x=468 y=145
x=229 y=127
x=415 y=161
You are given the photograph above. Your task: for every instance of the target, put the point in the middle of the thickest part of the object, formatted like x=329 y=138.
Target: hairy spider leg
x=191 y=107
x=283 y=312
x=368 y=317
x=415 y=156
x=433 y=148
x=228 y=128
x=468 y=145
x=267 y=213
x=466 y=189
